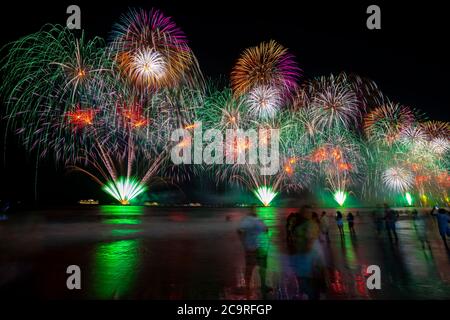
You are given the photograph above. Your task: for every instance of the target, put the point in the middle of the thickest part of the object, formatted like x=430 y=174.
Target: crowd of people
x=306 y=231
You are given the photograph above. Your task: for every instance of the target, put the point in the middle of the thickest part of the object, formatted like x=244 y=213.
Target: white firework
x=147 y=66
x=439 y=145
x=264 y=101
x=397 y=179
x=334 y=104
x=413 y=136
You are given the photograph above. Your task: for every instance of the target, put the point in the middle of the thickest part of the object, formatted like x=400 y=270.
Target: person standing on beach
x=443 y=220
x=390 y=218
x=325 y=226
x=340 y=223
x=253 y=235
x=350 y=221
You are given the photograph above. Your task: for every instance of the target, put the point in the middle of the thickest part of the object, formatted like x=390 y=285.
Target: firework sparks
x=147 y=67
x=340 y=197
x=265 y=194
x=397 y=179
x=152 y=51
x=124 y=190
x=109 y=110
x=333 y=103
x=268 y=64
x=81 y=117
x=386 y=123
x=408 y=198
x=440 y=145
x=435 y=129
x=264 y=101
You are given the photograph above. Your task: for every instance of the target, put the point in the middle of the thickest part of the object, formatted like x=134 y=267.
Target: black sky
x=408 y=58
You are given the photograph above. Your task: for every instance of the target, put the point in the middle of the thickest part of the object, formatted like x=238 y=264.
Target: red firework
x=133 y=115
x=80 y=118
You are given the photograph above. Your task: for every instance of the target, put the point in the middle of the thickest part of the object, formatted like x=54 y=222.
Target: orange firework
x=344 y=166
x=186 y=142
x=420 y=179
x=444 y=179
x=385 y=123
x=269 y=64
x=80 y=117
x=416 y=167
x=336 y=153
x=289 y=166
x=288 y=169
x=191 y=126
x=436 y=129
x=319 y=155
x=134 y=116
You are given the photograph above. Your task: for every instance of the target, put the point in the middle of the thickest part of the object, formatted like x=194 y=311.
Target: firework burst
x=124 y=190
x=435 y=129
x=264 y=101
x=152 y=51
x=333 y=103
x=340 y=197
x=147 y=66
x=269 y=64
x=398 y=179
x=385 y=123
x=109 y=112
x=439 y=145
x=265 y=195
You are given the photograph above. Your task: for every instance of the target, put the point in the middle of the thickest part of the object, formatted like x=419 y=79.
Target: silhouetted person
x=325 y=226
x=390 y=218
x=252 y=231
x=443 y=220
x=315 y=218
x=340 y=222
x=420 y=228
x=351 y=221
x=378 y=223
x=291 y=222
x=378 y=218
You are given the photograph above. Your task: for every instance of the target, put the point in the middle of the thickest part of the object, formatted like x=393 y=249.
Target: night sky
x=408 y=58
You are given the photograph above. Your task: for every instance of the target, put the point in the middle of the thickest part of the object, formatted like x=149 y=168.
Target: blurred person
x=325 y=226
x=378 y=219
x=351 y=221
x=253 y=234
x=390 y=218
x=420 y=228
x=308 y=260
x=316 y=219
x=443 y=219
x=291 y=222
x=340 y=222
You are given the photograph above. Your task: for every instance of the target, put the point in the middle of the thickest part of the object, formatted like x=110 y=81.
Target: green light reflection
x=269 y=215
x=122 y=221
x=349 y=248
x=121 y=210
x=115 y=268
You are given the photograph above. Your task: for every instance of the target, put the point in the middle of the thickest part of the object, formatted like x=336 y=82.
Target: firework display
x=108 y=109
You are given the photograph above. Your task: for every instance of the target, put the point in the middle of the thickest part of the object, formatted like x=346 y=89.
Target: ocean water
x=138 y=252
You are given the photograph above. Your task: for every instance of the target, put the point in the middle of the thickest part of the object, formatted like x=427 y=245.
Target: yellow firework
x=268 y=64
